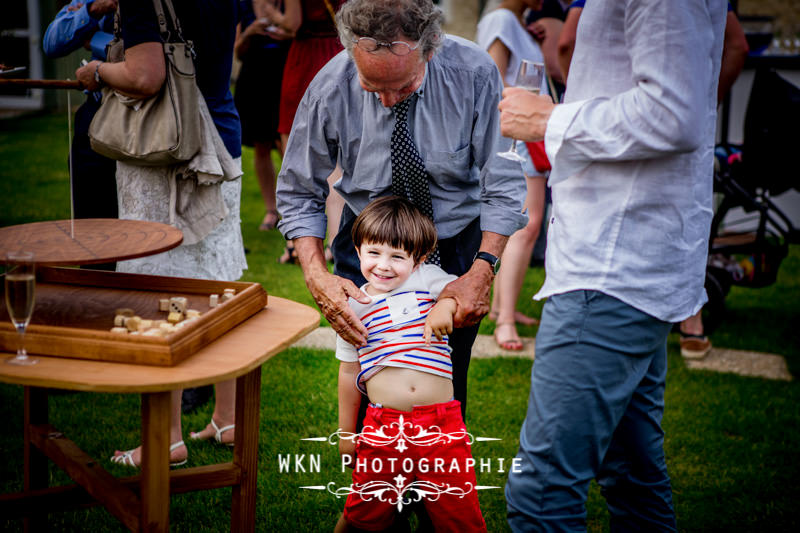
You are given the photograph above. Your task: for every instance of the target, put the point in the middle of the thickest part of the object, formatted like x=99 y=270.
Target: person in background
x=694 y=343
x=144 y=192
x=502 y=34
x=312 y=23
x=90 y=25
x=545 y=25
x=637 y=124
x=258 y=97
x=566 y=40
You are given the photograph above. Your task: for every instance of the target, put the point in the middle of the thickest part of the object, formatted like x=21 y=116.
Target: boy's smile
x=384 y=267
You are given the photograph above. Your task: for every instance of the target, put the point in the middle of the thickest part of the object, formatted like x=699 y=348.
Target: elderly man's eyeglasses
x=398 y=48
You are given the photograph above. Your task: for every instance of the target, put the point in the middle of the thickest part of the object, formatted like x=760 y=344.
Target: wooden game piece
x=163 y=304
x=213 y=300
x=119 y=321
x=178 y=304
x=192 y=313
x=119 y=330
x=133 y=323
x=229 y=291
x=227 y=297
x=174 y=317
x=145 y=324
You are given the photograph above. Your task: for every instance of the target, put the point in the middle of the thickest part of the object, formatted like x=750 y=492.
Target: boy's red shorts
x=434 y=457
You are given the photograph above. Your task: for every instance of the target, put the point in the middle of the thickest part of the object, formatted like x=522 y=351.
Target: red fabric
x=306 y=57
x=316 y=43
x=539 y=156
x=449 y=512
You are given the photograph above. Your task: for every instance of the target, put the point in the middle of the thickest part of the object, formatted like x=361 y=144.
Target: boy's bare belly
x=403 y=388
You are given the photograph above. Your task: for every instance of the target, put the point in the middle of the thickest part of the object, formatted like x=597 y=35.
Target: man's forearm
x=494 y=243
x=311 y=255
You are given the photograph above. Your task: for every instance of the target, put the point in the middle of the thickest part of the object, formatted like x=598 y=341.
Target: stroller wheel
x=717 y=284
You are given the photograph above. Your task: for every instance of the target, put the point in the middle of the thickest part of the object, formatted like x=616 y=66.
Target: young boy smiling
x=408 y=378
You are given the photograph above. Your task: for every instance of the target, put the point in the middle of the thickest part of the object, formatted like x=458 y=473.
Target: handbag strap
x=162 y=20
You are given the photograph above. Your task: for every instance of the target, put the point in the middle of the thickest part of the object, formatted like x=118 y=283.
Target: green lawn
x=731 y=442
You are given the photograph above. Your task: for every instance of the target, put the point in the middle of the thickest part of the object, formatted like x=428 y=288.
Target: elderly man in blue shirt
x=404 y=110
x=89 y=25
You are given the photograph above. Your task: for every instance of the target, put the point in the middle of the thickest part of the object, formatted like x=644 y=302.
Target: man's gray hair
x=386 y=20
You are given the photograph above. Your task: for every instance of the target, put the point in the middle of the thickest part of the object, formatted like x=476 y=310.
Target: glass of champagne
x=529 y=77
x=20 y=286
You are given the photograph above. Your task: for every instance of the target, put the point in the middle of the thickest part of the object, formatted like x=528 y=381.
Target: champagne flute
x=529 y=77
x=20 y=286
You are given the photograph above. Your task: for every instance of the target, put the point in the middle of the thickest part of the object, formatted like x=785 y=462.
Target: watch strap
x=493 y=260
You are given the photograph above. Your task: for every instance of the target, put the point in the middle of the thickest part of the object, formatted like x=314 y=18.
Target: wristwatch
x=489 y=258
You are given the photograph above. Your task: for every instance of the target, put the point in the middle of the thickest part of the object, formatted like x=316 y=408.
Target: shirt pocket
x=449 y=169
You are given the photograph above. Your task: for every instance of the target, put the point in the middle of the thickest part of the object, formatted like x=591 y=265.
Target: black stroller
x=746 y=177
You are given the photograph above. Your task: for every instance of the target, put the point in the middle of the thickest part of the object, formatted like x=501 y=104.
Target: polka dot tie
x=409 y=177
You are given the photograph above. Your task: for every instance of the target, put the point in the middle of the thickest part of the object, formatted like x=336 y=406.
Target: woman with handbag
x=212 y=249
x=502 y=33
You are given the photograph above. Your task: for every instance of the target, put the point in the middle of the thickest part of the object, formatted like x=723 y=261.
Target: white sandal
x=127 y=457
x=217 y=436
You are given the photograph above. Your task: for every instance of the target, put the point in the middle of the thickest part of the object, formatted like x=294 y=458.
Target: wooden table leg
x=245 y=451
x=35 y=469
x=154 y=493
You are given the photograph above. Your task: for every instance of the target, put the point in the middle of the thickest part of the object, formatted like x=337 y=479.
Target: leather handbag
x=163 y=129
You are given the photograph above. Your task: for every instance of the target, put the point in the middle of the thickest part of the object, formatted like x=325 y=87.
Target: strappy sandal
x=126 y=458
x=694 y=346
x=217 y=435
x=519 y=318
x=270 y=221
x=510 y=343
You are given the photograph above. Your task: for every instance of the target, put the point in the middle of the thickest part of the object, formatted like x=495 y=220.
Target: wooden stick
x=41 y=84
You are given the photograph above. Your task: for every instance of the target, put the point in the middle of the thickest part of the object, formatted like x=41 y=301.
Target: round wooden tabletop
x=90 y=240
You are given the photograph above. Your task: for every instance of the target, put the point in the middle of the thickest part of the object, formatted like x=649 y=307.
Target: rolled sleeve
x=98 y=43
x=302 y=182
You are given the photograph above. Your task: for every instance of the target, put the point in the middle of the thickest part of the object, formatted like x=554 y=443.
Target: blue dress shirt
x=70 y=29
x=455 y=125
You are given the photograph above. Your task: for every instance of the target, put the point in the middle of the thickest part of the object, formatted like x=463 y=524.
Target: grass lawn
x=731 y=442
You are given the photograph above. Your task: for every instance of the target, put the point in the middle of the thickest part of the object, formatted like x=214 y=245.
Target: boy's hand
x=440 y=319
x=348 y=447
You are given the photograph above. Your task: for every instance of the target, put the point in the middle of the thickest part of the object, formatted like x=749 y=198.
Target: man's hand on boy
x=331 y=292
x=471 y=291
x=440 y=319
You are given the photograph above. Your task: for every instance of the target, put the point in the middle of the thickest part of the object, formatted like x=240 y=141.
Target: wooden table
x=238 y=354
x=89 y=241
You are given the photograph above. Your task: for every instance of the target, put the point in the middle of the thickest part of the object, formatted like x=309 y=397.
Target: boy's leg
x=593 y=353
x=456 y=507
x=362 y=509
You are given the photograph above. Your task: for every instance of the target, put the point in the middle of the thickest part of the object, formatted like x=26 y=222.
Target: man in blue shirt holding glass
x=90 y=25
x=397 y=53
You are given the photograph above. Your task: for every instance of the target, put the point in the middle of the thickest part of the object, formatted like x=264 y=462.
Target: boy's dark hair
x=397 y=222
